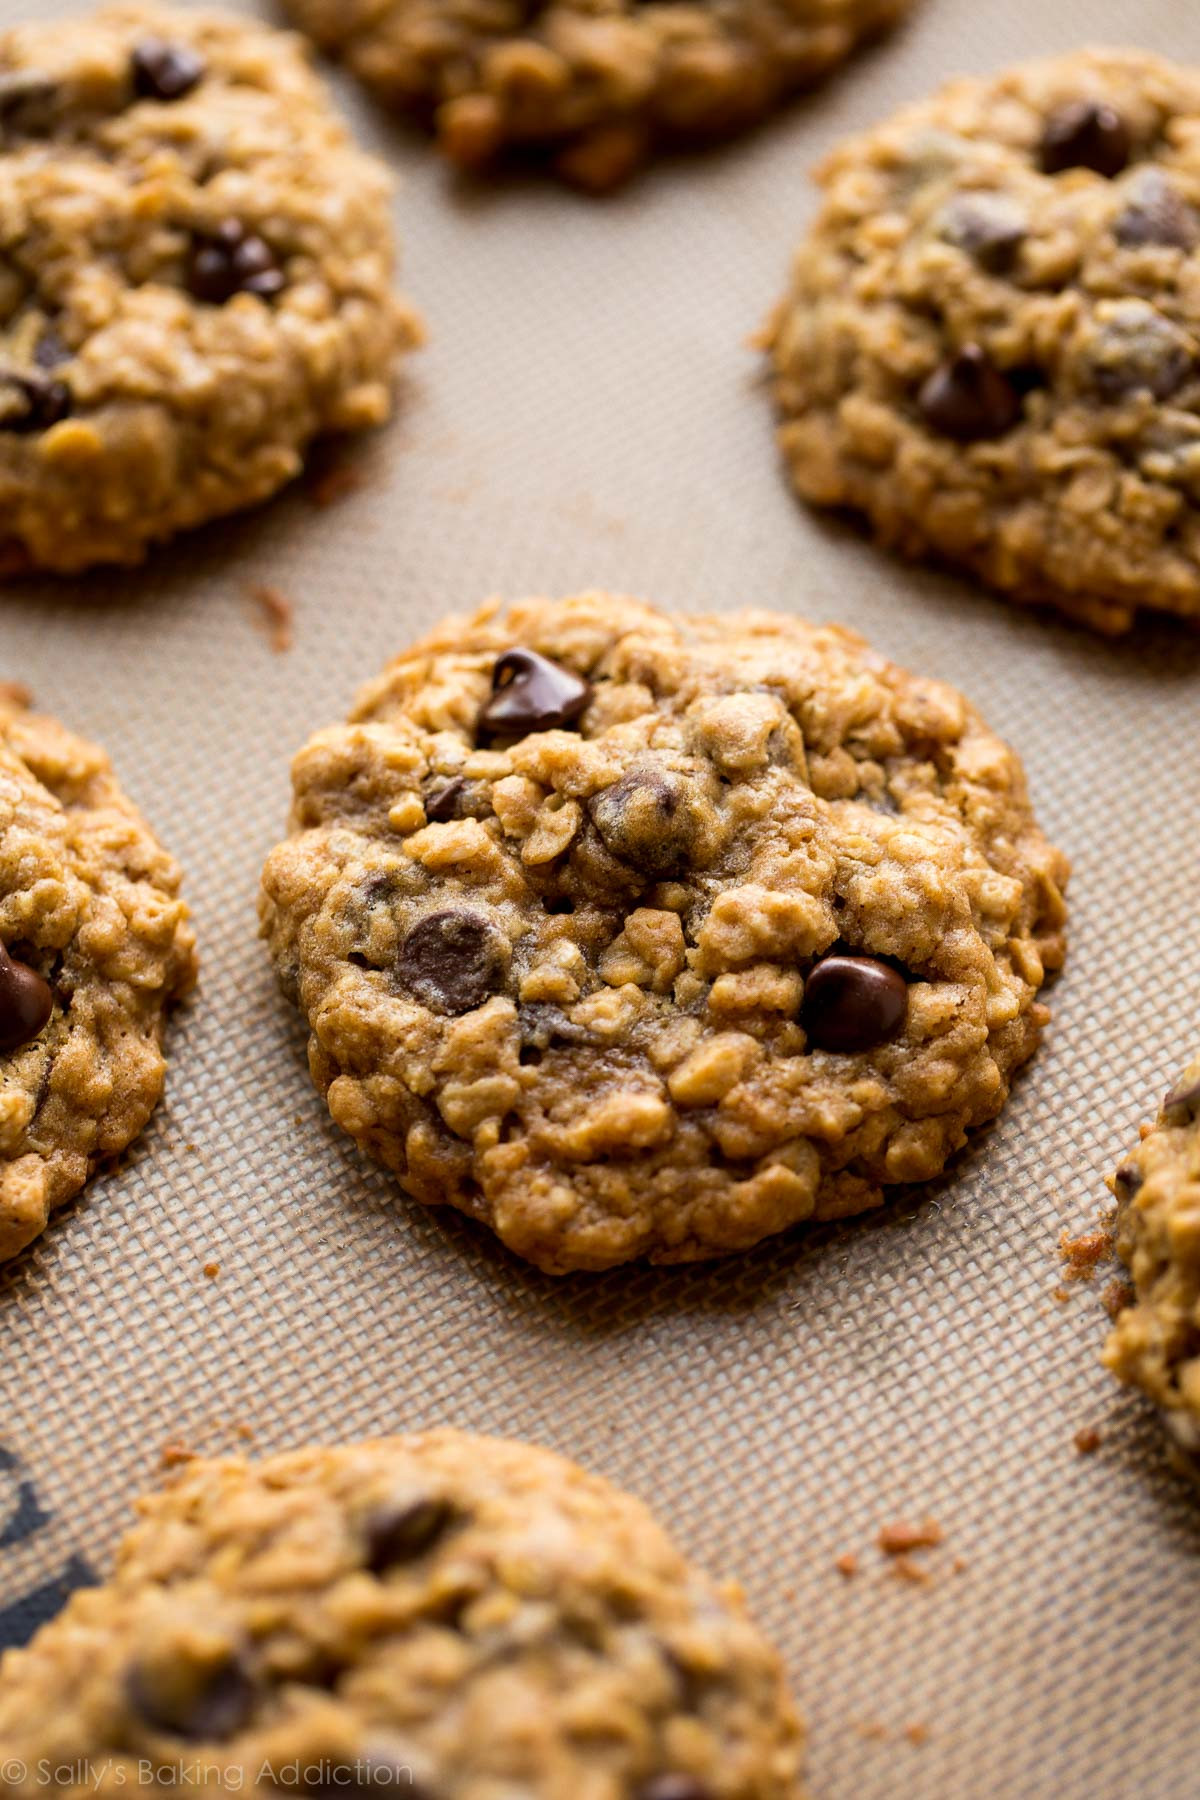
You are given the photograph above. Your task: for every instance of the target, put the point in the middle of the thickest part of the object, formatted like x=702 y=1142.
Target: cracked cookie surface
x=1155 y=1340
x=95 y=945
x=990 y=345
x=195 y=279
x=456 y=1616
x=597 y=85
x=634 y=934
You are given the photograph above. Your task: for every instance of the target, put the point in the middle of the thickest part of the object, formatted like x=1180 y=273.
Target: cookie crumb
x=1088 y=1439
x=277 y=614
x=874 y=1731
x=15 y=693
x=958 y=1566
x=901 y=1536
x=906 y=1568
x=246 y=1432
x=175 y=1454
x=212 y=1270
x=1117 y=1296
x=846 y=1564
x=917 y=1733
x=1082 y=1255
x=328 y=485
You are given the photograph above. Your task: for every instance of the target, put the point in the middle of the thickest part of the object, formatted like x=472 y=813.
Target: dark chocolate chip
x=649 y=819
x=989 y=227
x=50 y=352
x=1136 y=350
x=400 y=1534
x=30 y=403
x=1086 y=134
x=451 y=961
x=441 y=803
x=531 y=693
x=1155 y=213
x=163 y=71
x=1129 y=1179
x=232 y=261
x=543 y=1026
x=207 y=1704
x=852 y=1003
x=674 y=1787
x=27 y=102
x=26 y=1002
x=968 y=398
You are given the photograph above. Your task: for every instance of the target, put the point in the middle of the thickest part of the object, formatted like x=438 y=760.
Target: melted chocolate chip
x=209 y=1704
x=33 y=402
x=1086 y=134
x=441 y=804
x=674 y=1787
x=1129 y=1179
x=1136 y=350
x=543 y=1026
x=649 y=819
x=531 y=693
x=852 y=1003
x=232 y=261
x=1155 y=213
x=968 y=398
x=451 y=961
x=990 y=228
x=400 y=1534
x=163 y=71
x=50 y=352
x=26 y=1002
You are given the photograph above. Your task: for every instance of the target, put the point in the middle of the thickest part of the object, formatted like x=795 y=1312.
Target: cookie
x=450 y=1615
x=1155 y=1338
x=990 y=345
x=95 y=946
x=645 y=935
x=195 y=279
x=597 y=89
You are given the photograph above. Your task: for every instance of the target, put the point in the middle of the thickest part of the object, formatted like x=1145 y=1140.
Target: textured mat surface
x=587 y=413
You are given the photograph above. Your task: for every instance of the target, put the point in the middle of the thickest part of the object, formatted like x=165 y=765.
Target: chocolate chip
x=50 y=352
x=989 y=227
x=543 y=1026
x=1129 y=1179
x=27 y=102
x=30 y=403
x=400 y=1534
x=163 y=71
x=451 y=961
x=968 y=398
x=1136 y=350
x=1155 y=213
x=26 y=1002
x=209 y=1703
x=531 y=693
x=441 y=805
x=649 y=819
x=852 y=1003
x=232 y=261
x=674 y=1787
x=1086 y=134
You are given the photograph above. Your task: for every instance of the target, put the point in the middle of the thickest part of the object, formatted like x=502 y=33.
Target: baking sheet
x=587 y=413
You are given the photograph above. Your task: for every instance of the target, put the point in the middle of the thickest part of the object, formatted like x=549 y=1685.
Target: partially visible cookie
x=450 y=1616
x=95 y=945
x=596 y=87
x=195 y=279
x=1155 y=1340
x=990 y=344
x=634 y=934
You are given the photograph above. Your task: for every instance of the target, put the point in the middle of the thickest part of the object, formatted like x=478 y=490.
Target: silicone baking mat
x=587 y=412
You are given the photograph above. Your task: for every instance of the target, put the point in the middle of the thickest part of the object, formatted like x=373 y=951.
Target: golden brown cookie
x=645 y=935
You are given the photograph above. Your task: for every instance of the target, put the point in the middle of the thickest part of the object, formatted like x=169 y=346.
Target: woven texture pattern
x=587 y=413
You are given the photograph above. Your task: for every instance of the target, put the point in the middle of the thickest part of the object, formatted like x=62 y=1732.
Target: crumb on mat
x=276 y=614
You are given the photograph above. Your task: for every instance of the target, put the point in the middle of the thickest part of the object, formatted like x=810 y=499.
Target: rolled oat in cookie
x=596 y=85
x=1155 y=1340
x=990 y=343
x=442 y=1615
x=95 y=946
x=645 y=935
x=195 y=279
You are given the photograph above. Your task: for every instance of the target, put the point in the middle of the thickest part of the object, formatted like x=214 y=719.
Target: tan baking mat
x=587 y=413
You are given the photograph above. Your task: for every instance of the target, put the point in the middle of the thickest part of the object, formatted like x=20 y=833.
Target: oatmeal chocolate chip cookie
x=634 y=935
x=1155 y=1340
x=95 y=945
x=596 y=84
x=991 y=341
x=455 y=1616
x=195 y=279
